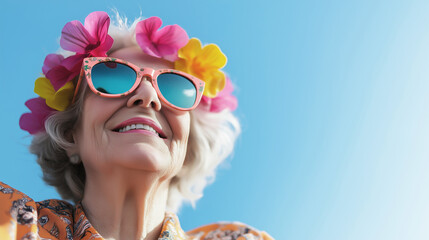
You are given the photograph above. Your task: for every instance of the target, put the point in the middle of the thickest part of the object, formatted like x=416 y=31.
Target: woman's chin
x=144 y=158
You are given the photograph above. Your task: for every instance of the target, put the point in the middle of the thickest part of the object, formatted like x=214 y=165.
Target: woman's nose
x=145 y=96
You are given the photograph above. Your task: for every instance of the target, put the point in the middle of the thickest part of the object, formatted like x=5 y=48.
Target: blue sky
x=333 y=101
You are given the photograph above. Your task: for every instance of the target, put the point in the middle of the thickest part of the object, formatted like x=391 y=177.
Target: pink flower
x=162 y=43
x=51 y=61
x=90 y=38
x=59 y=71
x=34 y=122
x=223 y=100
x=86 y=40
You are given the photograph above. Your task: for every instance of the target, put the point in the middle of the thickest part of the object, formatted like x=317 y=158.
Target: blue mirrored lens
x=113 y=78
x=177 y=89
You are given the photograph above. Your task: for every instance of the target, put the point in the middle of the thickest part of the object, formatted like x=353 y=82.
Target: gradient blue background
x=334 y=106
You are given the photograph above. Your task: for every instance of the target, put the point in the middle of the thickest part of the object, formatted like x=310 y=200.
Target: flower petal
x=203 y=63
x=226 y=102
x=149 y=26
x=30 y=123
x=59 y=100
x=66 y=71
x=214 y=83
x=75 y=38
x=146 y=45
x=224 y=99
x=103 y=48
x=97 y=24
x=228 y=89
x=34 y=122
x=212 y=57
x=172 y=35
x=58 y=76
x=74 y=62
x=169 y=40
x=44 y=88
x=181 y=65
x=145 y=31
x=62 y=98
x=163 y=43
x=190 y=50
x=51 y=61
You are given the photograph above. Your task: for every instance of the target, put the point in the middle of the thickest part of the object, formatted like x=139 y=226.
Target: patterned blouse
x=24 y=219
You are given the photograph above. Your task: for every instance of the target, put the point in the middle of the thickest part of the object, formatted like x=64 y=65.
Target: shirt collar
x=83 y=229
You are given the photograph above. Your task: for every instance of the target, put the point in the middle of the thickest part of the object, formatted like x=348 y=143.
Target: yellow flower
x=203 y=63
x=59 y=100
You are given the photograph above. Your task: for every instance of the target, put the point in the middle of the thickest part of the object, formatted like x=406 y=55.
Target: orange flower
x=204 y=63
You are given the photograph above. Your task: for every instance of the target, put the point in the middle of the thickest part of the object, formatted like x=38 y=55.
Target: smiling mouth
x=138 y=126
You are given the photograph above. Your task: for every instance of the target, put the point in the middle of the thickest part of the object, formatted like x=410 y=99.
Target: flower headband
x=56 y=87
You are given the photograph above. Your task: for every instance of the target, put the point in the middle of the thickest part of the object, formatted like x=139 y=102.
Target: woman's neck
x=126 y=205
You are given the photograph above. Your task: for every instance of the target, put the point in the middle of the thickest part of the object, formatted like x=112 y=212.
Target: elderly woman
x=129 y=123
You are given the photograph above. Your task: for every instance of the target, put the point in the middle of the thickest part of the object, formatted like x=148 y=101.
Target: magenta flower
x=162 y=43
x=223 y=100
x=34 y=122
x=86 y=40
x=90 y=38
x=51 y=61
x=59 y=71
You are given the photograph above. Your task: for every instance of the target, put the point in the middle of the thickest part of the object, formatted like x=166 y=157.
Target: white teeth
x=138 y=126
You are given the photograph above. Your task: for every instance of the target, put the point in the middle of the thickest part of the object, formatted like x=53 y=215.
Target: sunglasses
x=113 y=78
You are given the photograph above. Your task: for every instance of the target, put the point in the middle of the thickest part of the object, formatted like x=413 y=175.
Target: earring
x=75 y=159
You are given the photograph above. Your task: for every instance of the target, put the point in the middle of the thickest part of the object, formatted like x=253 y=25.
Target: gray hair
x=211 y=141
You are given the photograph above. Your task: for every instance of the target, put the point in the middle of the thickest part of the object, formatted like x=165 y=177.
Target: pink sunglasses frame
x=153 y=74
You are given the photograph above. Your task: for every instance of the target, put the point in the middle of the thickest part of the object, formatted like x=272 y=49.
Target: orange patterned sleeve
x=18 y=215
x=227 y=230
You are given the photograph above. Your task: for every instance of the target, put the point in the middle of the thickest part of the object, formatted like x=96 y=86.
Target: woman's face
x=104 y=149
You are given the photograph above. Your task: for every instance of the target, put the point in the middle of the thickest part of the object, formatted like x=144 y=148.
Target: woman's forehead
x=135 y=55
